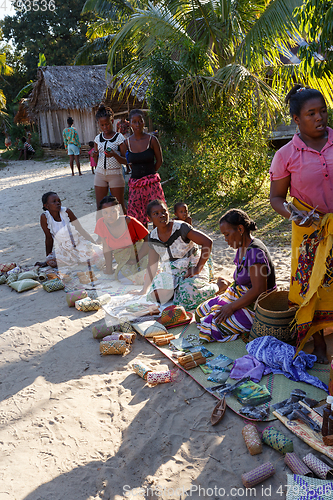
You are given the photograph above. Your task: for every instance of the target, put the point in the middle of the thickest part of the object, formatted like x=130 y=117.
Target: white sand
x=78 y=426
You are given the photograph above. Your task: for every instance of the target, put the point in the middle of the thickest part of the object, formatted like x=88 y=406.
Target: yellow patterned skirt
x=311 y=283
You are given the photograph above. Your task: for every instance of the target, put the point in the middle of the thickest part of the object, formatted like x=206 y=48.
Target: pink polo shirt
x=311 y=171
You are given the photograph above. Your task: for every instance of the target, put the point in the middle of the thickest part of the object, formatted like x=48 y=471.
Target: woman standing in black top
x=144 y=154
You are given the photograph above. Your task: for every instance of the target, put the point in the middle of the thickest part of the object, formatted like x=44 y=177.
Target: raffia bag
x=273 y=317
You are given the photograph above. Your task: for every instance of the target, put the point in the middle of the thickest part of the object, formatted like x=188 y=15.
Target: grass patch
x=273 y=229
x=2 y=165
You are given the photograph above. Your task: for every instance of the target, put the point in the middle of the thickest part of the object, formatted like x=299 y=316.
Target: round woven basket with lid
x=273 y=317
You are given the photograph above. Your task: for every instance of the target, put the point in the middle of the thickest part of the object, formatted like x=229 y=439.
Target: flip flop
x=219 y=411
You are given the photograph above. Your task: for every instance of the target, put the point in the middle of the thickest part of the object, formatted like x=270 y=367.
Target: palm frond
x=94 y=49
x=108 y=8
x=274 y=32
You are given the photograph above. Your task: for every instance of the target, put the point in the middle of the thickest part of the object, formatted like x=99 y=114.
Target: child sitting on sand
x=181 y=212
x=27 y=149
x=66 y=242
x=91 y=152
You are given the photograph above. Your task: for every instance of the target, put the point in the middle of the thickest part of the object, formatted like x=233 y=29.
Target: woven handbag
x=273 y=317
x=112 y=347
x=53 y=285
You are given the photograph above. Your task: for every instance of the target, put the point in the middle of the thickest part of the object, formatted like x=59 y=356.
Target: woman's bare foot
x=320 y=349
x=222 y=284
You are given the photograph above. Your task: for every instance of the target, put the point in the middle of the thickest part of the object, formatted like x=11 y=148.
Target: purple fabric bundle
x=248 y=366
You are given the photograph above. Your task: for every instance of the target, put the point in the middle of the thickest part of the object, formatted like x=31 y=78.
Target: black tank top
x=143 y=163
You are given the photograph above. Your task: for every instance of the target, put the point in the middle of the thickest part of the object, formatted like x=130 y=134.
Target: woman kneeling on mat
x=184 y=275
x=226 y=316
x=124 y=240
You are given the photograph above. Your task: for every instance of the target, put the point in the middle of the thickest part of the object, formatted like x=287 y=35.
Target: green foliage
x=57 y=34
x=41 y=60
x=227 y=158
x=161 y=93
x=316 y=23
x=16 y=132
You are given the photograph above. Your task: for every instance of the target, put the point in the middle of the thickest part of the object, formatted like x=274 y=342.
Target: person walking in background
x=72 y=143
x=91 y=155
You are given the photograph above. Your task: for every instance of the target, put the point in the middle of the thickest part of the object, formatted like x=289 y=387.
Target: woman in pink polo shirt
x=304 y=167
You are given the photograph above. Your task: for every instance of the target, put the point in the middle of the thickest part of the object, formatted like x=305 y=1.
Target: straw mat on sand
x=305 y=488
x=279 y=386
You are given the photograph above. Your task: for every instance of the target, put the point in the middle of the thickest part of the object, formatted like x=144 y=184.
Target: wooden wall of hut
x=52 y=123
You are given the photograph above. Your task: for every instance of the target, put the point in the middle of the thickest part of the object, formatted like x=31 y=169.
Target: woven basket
x=273 y=317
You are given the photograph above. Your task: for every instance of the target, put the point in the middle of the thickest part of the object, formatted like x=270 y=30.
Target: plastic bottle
x=330 y=422
x=326 y=414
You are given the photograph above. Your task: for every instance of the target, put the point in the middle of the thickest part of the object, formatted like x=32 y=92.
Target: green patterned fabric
x=3 y=279
x=188 y=292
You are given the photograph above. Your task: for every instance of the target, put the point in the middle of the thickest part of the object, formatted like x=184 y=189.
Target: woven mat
x=279 y=386
x=305 y=488
x=103 y=283
x=304 y=432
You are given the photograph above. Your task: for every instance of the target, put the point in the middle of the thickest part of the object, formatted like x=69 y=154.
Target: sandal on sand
x=219 y=411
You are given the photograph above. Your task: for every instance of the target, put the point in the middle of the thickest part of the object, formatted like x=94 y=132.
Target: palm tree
x=220 y=47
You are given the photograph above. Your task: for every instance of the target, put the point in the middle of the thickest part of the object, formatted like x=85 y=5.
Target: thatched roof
x=68 y=87
x=127 y=97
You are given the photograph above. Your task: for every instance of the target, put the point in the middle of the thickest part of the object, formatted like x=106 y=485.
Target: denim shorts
x=73 y=150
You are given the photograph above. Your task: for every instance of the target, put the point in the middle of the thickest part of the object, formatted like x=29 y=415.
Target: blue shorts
x=73 y=150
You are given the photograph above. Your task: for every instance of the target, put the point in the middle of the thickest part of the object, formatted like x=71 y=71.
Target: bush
x=16 y=132
x=227 y=158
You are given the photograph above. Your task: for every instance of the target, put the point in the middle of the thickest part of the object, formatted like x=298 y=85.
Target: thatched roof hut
x=63 y=91
x=76 y=91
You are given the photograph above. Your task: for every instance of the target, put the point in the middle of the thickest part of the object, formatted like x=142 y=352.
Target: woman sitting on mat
x=184 y=275
x=123 y=238
x=230 y=314
x=66 y=242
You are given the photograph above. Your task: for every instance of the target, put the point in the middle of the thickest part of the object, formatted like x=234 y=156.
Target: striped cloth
x=240 y=322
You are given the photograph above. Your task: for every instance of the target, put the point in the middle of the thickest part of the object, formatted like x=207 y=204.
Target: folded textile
x=280 y=358
x=248 y=366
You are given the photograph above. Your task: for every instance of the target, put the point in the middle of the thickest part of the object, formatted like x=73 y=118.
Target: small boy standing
x=181 y=212
x=91 y=152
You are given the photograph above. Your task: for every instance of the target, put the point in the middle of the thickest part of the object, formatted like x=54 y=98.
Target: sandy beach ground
x=78 y=426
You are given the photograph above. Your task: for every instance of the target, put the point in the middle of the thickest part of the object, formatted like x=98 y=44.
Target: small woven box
x=159 y=377
x=101 y=331
x=4 y=268
x=53 y=285
x=141 y=369
x=112 y=347
x=321 y=469
x=87 y=305
x=72 y=297
x=296 y=465
x=276 y=440
x=258 y=475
